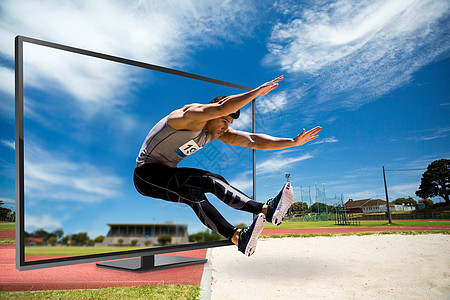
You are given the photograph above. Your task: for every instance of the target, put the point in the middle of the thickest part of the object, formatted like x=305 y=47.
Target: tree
x=436 y=180
x=79 y=239
x=52 y=240
x=319 y=207
x=205 y=236
x=427 y=202
x=165 y=239
x=66 y=240
x=99 y=239
x=58 y=234
x=406 y=201
x=4 y=213
x=42 y=234
x=298 y=208
x=240 y=225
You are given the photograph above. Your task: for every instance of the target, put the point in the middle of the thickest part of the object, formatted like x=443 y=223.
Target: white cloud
x=243 y=182
x=95 y=85
x=430 y=134
x=278 y=163
x=326 y=140
x=266 y=107
x=9 y=144
x=245 y=119
x=52 y=176
x=44 y=222
x=366 y=194
x=330 y=120
x=163 y=33
x=355 y=52
x=7 y=87
x=150 y=31
x=419 y=165
x=7 y=81
x=7 y=200
x=271 y=103
x=401 y=190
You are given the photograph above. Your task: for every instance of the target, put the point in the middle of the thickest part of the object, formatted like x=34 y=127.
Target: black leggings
x=187 y=185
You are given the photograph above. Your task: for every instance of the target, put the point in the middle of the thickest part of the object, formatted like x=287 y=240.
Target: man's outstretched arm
x=193 y=116
x=259 y=141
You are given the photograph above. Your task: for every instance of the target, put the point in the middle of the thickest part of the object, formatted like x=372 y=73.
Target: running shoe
x=279 y=205
x=249 y=235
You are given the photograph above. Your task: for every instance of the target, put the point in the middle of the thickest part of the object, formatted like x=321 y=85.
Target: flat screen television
x=81 y=117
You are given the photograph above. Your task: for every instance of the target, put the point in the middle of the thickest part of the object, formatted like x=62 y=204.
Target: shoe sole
x=257 y=230
x=287 y=197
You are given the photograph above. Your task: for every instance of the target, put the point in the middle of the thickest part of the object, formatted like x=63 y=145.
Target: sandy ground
x=351 y=267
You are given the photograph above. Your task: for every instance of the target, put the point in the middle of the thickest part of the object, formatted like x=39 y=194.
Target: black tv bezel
x=21 y=264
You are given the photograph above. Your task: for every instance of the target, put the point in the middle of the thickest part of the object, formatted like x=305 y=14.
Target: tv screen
x=81 y=118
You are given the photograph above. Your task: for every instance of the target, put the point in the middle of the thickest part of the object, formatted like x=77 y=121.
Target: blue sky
x=373 y=74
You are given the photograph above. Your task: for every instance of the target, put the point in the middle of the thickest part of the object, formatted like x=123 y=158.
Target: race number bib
x=188 y=148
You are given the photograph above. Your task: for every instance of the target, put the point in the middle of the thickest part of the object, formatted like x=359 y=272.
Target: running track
x=89 y=276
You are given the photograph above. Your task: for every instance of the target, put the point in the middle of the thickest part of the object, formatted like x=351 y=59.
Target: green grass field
x=321 y=224
x=141 y=292
x=7 y=226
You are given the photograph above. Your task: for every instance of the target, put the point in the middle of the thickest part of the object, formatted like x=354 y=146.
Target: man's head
x=234 y=115
x=219 y=126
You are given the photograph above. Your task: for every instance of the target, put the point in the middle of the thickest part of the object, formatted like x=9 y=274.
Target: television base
x=152 y=263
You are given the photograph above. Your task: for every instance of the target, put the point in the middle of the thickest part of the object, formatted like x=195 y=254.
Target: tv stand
x=152 y=263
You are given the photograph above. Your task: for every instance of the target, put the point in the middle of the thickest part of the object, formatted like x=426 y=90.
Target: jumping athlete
x=188 y=129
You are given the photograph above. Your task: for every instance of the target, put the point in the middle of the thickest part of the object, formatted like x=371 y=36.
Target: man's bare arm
x=195 y=115
x=259 y=141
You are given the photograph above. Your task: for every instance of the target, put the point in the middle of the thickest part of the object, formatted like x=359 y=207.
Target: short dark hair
x=234 y=115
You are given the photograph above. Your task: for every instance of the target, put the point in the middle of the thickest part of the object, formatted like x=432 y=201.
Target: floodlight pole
x=325 y=199
x=254 y=151
x=301 y=194
x=387 y=198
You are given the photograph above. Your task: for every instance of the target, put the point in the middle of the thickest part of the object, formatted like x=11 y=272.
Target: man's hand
x=305 y=137
x=265 y=88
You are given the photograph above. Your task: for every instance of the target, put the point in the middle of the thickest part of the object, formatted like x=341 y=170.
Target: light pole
x=254 y=151
x=387 y=198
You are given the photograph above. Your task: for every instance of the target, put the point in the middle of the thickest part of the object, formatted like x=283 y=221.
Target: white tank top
x=169 y=146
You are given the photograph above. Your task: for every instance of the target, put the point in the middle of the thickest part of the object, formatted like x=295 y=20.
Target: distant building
x=365 y=205
x=146 y=234
x=373 y=206
x=34 y=241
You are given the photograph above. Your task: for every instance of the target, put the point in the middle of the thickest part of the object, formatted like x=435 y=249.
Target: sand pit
x=350 y=267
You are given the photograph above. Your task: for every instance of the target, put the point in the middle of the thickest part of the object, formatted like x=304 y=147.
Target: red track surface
x=89 y=276
x=7 y=234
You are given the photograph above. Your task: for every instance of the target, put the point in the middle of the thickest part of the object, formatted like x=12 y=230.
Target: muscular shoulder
x=179 y=119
